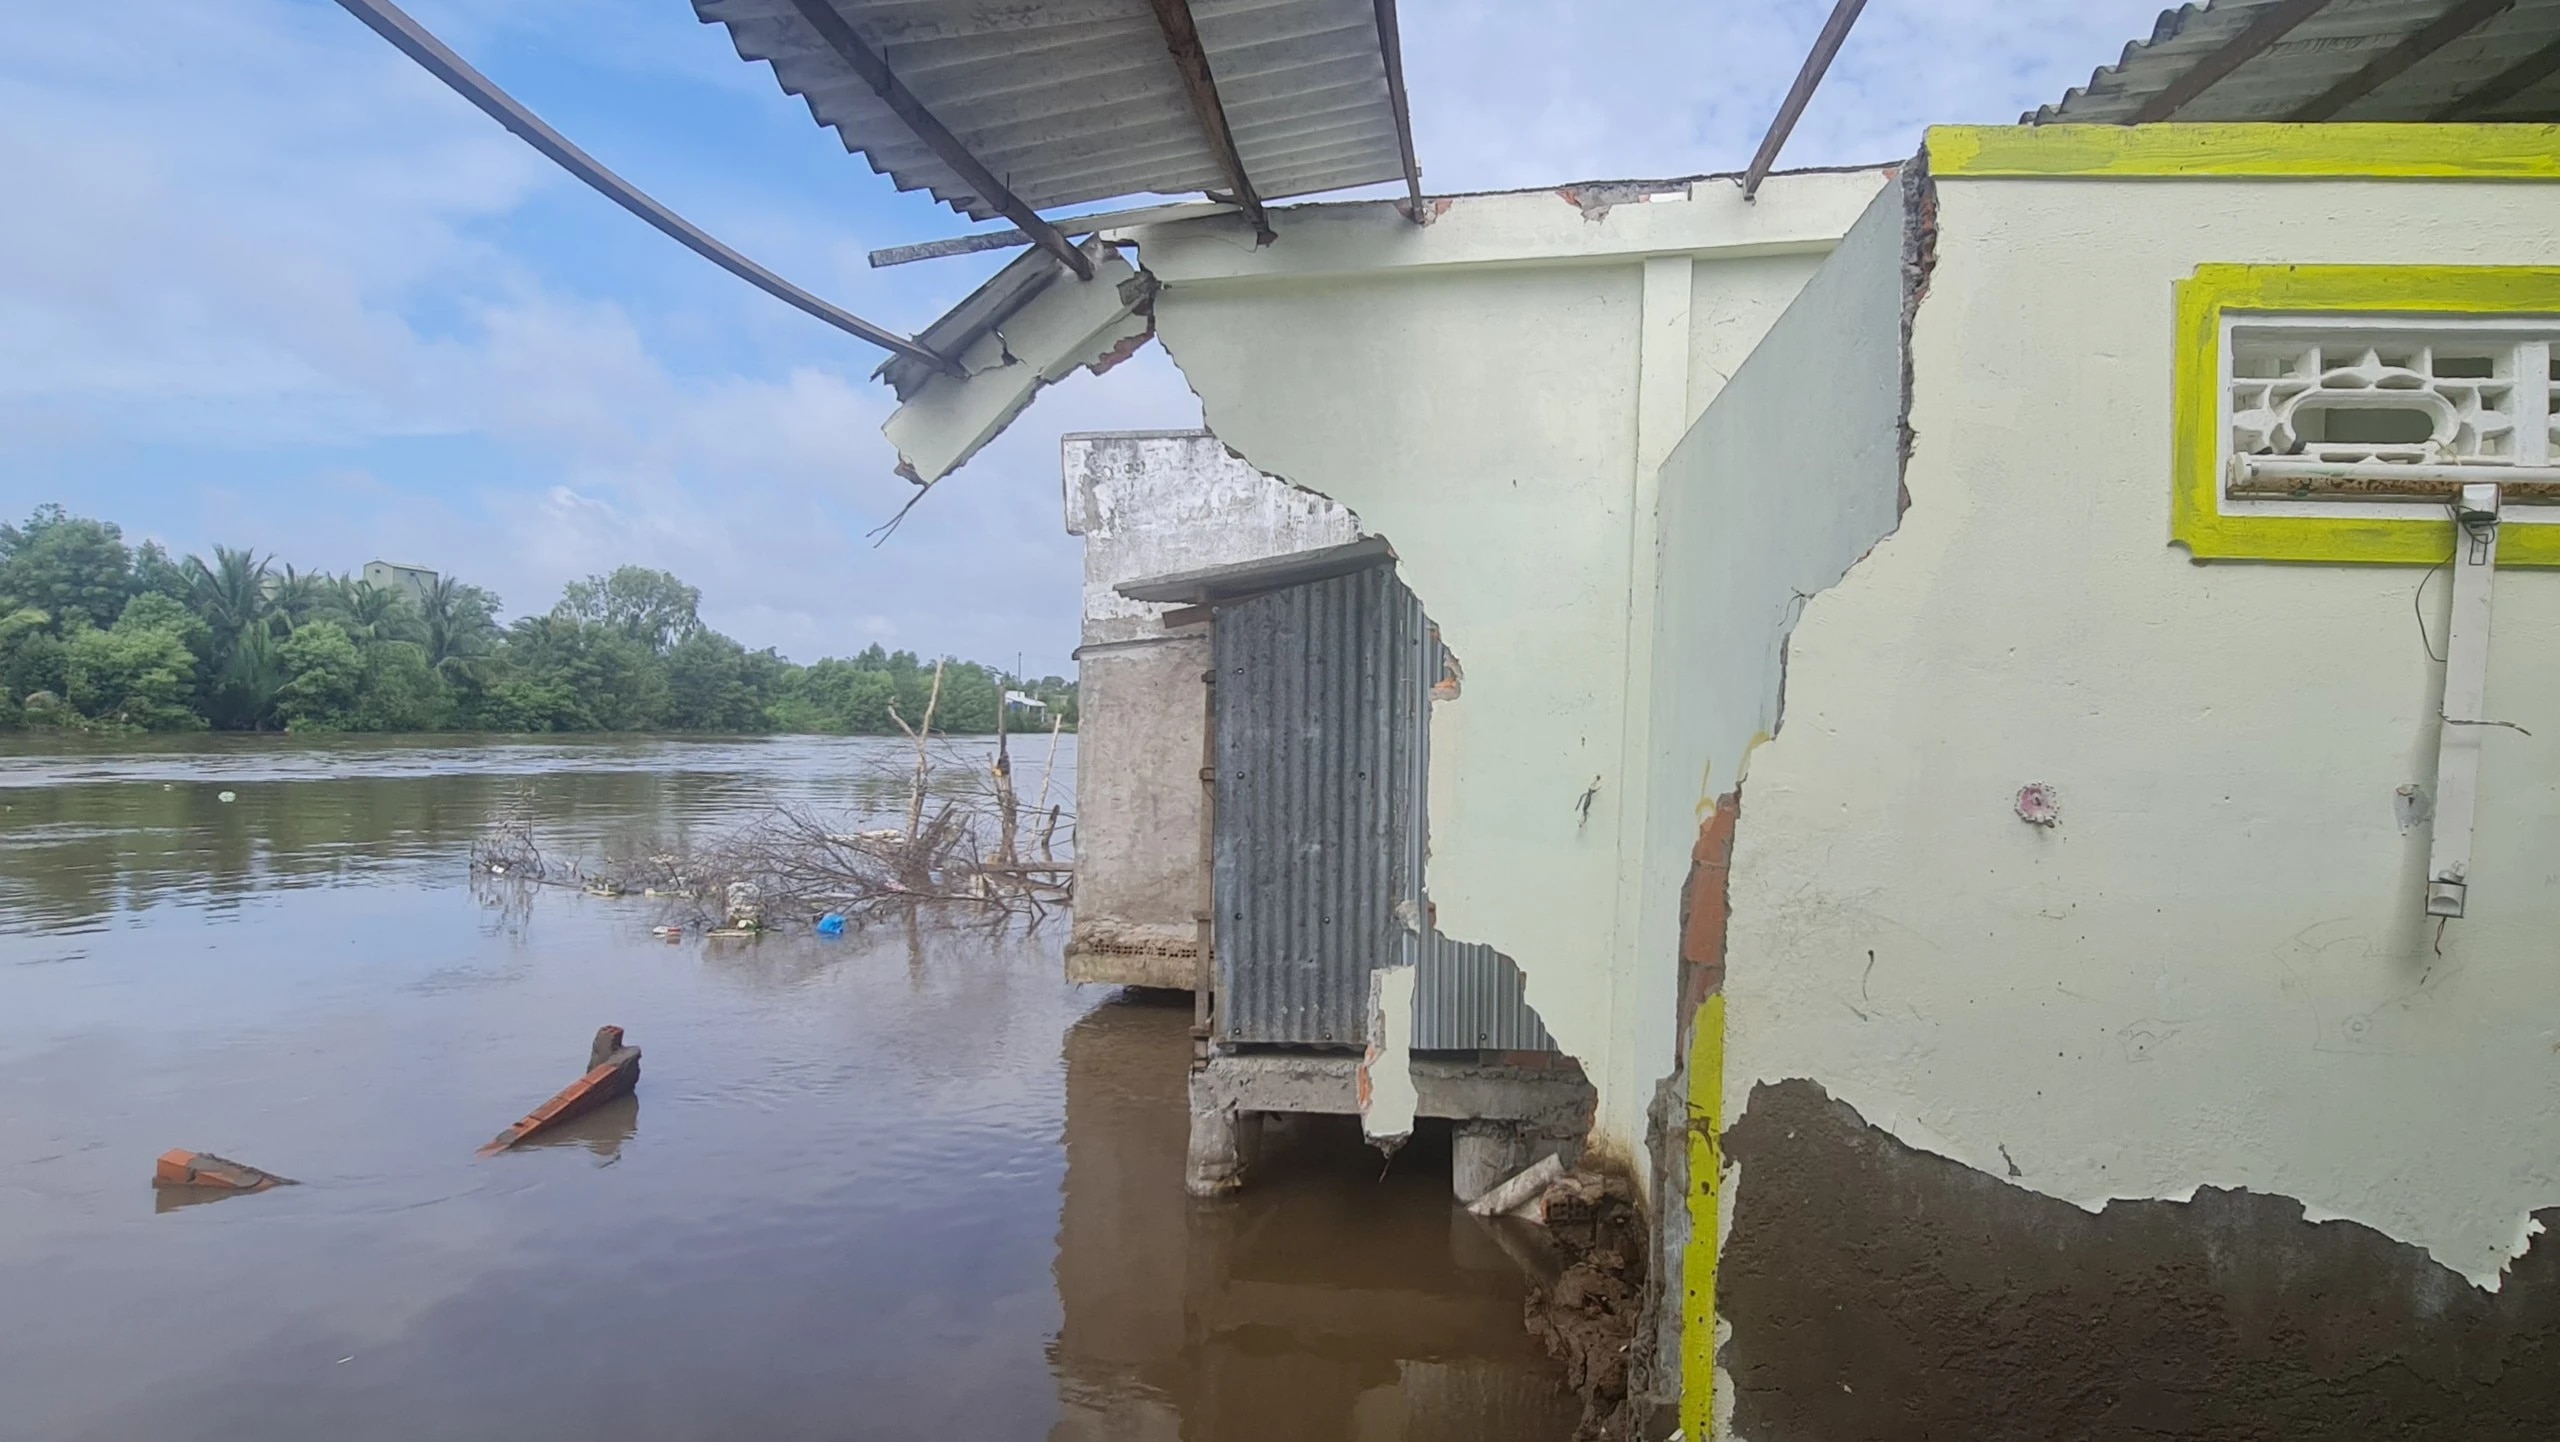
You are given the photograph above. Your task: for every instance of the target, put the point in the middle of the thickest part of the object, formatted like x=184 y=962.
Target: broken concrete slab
x=1050 y=332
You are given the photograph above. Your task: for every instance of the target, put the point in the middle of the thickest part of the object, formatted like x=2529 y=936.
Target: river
x=899 y=1184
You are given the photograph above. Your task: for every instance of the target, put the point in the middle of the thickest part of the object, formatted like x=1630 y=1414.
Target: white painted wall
x=1494 y=393
x=2215 y=970
x=1789 y=476
x=1153 y=503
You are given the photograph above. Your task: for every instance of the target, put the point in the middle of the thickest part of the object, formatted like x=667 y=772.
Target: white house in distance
x=413 y=582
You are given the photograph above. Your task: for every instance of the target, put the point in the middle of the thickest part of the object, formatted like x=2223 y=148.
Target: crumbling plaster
x=2214 y=968
x=1493 y=393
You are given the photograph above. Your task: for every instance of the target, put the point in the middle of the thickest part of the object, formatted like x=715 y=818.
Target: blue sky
x=264 y=282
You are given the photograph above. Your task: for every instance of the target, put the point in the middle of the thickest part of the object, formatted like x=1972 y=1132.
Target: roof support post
x=2270 y=27
x=2452 y=25
x=1825 y=46
x=1391 y=50
x=1182 y=37
x=839 y=35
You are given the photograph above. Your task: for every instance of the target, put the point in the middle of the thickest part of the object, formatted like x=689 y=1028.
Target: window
x=2366 y=367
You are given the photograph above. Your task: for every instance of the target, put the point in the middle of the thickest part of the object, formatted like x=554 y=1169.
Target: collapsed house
x=1975 y=723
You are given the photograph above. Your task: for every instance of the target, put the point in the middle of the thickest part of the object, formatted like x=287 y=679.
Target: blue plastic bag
x=831 y=924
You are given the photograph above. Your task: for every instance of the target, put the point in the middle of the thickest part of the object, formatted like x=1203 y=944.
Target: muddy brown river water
x=902 y=1184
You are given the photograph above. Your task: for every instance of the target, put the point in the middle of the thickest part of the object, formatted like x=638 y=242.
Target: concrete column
x=1483 y=1154
x=1214 y=1163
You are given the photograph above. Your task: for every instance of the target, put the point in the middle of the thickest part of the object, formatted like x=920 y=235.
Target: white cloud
x=253 y=238
x=1533 y=92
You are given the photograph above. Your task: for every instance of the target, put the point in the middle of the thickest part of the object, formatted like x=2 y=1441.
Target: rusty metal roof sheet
x=2336 y=42
x=1071 y=101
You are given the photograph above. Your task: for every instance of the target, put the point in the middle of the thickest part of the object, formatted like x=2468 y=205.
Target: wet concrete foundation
x=1879 y=1292
x=1506 y=1108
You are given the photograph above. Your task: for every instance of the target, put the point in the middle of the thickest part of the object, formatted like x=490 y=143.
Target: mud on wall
x=2179 y=1102
x=1880 y=1293
x=1494 y=392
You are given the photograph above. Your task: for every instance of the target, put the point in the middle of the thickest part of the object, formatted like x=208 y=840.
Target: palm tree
x=230 y=594
x=241 y=667
x=371 y=613
x=293 y=597
x=244 y=688
x=459 y=629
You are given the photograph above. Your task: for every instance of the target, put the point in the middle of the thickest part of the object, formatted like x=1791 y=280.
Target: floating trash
x=226 y=797
x=831 y=924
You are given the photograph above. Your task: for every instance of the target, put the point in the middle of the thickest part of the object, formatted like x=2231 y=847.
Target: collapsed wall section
x=1494 y=392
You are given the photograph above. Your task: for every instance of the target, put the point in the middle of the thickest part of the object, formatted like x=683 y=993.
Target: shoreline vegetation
x=97 y=636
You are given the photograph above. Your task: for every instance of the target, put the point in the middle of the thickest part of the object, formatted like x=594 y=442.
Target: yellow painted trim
x=1698 y=1261
x=2272 y=152
x=2196 y=519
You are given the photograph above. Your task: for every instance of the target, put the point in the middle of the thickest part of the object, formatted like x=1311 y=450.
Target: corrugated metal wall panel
x=1324 y=705
x=1473 y=998
x=1319 y=697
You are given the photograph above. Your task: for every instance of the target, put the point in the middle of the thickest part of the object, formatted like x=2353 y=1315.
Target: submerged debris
x=613 y=1070
x=506 y=849
x=205 y=1172
x=1587 y=1319
x=964 y=843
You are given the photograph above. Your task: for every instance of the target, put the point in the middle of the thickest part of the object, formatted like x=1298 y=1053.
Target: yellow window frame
x=2214 y=291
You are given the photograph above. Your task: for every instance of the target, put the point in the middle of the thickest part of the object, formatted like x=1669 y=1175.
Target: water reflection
x=849 y=1215
x=1325 y=1301
x=601 y=1132
x=91 y=838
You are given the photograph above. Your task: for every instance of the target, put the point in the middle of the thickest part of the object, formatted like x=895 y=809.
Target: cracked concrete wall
x=1152 y=503
x=2212 y=970
x=1788 y=477
x=1493 y=393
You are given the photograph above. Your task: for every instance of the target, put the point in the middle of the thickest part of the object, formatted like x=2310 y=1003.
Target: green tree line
x=97 y=635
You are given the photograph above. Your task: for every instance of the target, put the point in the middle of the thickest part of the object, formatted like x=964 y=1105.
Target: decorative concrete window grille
x=2345 y=415
x=2309 y=393
x=2379 y=413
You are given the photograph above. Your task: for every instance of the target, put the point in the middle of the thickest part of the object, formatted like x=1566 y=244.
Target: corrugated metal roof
x=1071 y=101
x=1242 y=580
x=2334 y=43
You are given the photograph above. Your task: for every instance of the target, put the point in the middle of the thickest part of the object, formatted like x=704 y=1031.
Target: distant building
x=411 y=581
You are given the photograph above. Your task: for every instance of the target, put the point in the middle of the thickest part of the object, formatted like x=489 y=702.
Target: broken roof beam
x=1182 y=38
x=1102 y=223
x=2272 y=25
x=1826 y=45
x=1391 y=50
x=839 y=35
x=2452 y=25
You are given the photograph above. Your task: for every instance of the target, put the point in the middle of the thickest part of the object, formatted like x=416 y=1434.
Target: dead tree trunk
x=924 y=766
x=1008 y=816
